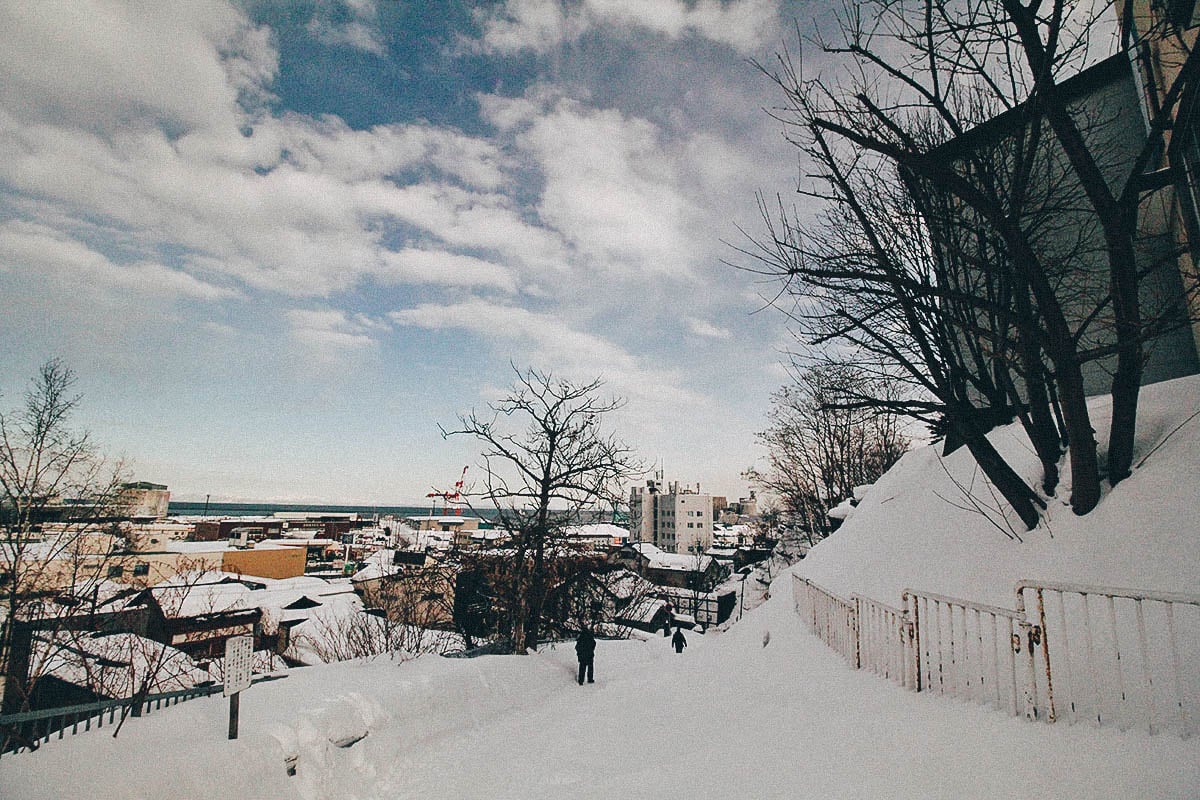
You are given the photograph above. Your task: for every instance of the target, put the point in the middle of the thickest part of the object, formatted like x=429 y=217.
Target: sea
x=201 y=508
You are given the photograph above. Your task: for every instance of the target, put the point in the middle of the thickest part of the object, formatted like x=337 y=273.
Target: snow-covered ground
x=727 y=718
x=730 y=717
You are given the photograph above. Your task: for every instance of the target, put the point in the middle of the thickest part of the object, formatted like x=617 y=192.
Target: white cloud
x=38 y=251
x=612 y=184
x=414 y=265
x=302 y=206
x=548 y=342
x=353 y=23
x=329 y=335
x=104 y=65
x=542 y=25
x=707 y=329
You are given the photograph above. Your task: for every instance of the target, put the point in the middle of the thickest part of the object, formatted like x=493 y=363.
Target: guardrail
x=1121 y=657
x=29 y=730
x=1103 y=655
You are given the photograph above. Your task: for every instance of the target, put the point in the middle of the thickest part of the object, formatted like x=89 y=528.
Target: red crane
x=451 y=497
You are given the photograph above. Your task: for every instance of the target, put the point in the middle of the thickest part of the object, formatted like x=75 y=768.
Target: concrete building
x=142 y=500
x=677 y=520
x=1109 y=105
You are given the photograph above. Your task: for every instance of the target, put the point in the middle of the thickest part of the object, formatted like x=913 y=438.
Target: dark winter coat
x=678 y=641
x=585 y=647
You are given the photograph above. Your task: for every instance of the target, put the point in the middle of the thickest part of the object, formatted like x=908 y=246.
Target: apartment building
x=675 y=519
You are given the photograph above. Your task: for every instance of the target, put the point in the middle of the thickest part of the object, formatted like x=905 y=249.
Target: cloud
x=353 y=23
x=542 y=25
x=707 y=329
x=330 y=335
x=96 y=65
x=548 y=342
x=612 y=185
x=170 y=148
x=414 y=265
x=37 y=251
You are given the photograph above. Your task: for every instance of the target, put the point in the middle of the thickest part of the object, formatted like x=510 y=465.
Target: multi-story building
x=677 y=520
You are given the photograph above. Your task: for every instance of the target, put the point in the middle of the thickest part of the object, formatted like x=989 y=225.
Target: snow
x=916 y=528
x=679 y=562
x=727 y=718
x=762 y=709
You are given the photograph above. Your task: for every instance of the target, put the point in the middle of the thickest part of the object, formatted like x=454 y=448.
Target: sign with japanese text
x=239 y=655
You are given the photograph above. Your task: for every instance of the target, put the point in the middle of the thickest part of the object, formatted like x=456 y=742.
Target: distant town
x=167 y=590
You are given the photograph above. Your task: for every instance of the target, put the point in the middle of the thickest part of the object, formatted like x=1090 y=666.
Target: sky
x=281 y=243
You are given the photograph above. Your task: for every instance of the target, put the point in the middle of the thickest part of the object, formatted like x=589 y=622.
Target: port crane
x=448 y=497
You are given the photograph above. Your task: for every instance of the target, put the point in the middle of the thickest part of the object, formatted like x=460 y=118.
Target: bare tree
x=56 y=491
x=547 y=462
x=821 y=443
x=957 y=122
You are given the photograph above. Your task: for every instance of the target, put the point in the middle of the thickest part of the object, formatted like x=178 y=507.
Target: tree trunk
x=1018 y=494
x=1127 y=381
x=1081 y=439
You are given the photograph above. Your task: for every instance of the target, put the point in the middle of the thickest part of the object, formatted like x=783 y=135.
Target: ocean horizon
x=193 y=508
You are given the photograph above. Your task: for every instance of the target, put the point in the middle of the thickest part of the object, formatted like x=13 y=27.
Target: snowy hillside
x=737 y=714
x=917 y=528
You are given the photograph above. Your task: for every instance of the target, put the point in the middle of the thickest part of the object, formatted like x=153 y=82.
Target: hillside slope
x=917 y=528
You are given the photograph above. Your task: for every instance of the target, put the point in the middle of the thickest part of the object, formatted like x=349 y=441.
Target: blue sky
x=280 y=242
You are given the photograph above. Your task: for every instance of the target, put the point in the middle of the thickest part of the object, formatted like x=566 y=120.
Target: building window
x=116 y=571
x=141 y=569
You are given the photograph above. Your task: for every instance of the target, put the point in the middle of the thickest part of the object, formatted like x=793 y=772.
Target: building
x=1159 y=64
x=1110 y=106
x=244 y=529
x=696 y=572
x=143 y=501
x=678 y=520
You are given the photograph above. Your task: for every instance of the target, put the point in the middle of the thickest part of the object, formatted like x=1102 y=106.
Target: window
x=141 y=569
x=116 y=571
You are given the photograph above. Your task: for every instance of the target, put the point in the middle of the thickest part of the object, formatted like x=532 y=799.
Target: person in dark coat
x=678 y=641
x=585 y=650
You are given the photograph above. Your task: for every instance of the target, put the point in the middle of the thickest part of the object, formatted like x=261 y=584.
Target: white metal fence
x=1079 y=653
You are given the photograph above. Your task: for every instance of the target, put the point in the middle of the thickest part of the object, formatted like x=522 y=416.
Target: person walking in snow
x=585 y=651
x=677 y=641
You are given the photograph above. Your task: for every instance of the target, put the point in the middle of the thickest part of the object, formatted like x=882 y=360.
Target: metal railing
x=885 y=639
x=29 y=730
x=969 y=650
x=1121 y=657
x=832 y=618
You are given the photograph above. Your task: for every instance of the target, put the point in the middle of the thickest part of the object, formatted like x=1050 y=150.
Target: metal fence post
x=1025 y=639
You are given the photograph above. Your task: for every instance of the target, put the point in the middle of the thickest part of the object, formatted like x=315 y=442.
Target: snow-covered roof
x=679 y=562
x=644 y=610
x=116 y=665
x=598 y=530
x=624 y=583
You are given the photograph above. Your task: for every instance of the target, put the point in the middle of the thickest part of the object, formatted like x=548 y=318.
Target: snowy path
x=727 y=718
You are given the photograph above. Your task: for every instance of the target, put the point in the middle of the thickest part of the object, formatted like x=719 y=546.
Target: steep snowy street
x=727 y=718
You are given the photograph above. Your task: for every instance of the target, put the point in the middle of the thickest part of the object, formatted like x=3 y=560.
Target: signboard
x=239 y=655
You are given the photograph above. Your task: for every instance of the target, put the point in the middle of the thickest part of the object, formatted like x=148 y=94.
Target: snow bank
x=932 y=524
